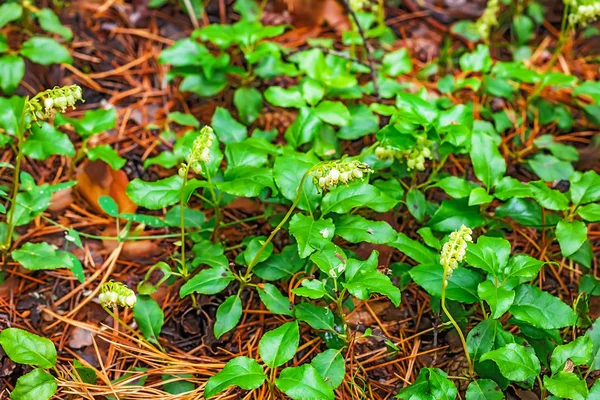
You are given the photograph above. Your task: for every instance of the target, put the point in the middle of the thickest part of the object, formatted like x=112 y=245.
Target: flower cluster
x=113 y=294
x=415 y=157
x=200 y=152
x=584 y=12
x=46 y=103
x=455 y=249
x=331 y=174
x=488 y=19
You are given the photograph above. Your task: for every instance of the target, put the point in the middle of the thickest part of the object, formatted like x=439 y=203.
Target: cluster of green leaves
x=27 y=348
x=38 y=49
x=521 y=339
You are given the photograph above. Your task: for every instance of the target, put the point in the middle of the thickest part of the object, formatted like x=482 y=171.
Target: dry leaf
x=96 y=179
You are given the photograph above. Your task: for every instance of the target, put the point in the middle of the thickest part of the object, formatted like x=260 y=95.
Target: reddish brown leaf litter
x=115 y=48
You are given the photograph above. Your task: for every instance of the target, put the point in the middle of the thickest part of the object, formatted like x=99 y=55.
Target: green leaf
x=241 y=371
x=46 y=140
x=45 y=51
x=10 y=114
x=333 y=112
x=550 y=168
x=484 y=389
x=228 y=315
x=311 y=288
x=456 y=187
x=280 y=266
x=177 y=384
x=452 y=214
x=498 y=298
x=247 y=181
x=331 y=366
x=523 y=266
x=578 y=351
x=12 y=70
x=570 y=235
x=478 y=61
x=155 y=195
x=462 y=285
x=397 y=62
x=50 y=23
x=208 y=281
x=42 y=256
x=415 y=250
x=183 y=119
x=548 y=198
x=479 y=196
x=487 y=161
x=524 y=211
x=36 y=385
x=10 y=12
x=86 y=374
x=315 y=316
x=508 y=188
x=312 y=91
x=27 y=348
x=282 y=97
x=489 y=254
x=149 y=317
x=93 y=122
x=362 y=122
x=278 y=346
x=274 y=300
x=228 y=130
x=541 y=309
x=304 y=129
x=566 y=385
x=303 y=382
x=585 y=188
x=356 y=229
x=363 y=278
x=515 y=362
x=431 y=384
x=311 y=235
x=357 y=194
x=107 y=154
x=594 y=334
x=416 y=204
x=288 y=171
x=482 y=338
x=589 y=212
x=248 y=102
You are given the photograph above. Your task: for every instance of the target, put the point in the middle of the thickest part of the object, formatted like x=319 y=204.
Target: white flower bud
x=357 y=173
x=48 y=104
x=130 y=300
x=334 y=174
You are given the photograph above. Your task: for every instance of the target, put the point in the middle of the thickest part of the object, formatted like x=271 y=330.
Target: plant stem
x=278 y=227
x=16 y=183
x=182 y=201
x=460 y=334
x=130 y=329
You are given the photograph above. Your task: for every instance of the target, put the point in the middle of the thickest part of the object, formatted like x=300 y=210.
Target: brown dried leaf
x=96 y=179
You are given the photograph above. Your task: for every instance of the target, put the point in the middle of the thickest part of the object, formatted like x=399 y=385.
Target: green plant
x=27 y=348
x=38 y=49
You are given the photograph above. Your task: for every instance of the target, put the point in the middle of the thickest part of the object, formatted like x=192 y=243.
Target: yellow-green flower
x=44 y=104
x=331 y=174
x=455 y=249
x=200 y=152
x=113 y=294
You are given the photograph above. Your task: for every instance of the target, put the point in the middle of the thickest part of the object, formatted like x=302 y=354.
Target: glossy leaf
x=149 y=317
x=303 y=382
x=278 y=346
x=35 y=385
x=241 y=371
x=27 y=348
x=208 y=281
x=228 y=315
x=541 y=309
x=515 y=362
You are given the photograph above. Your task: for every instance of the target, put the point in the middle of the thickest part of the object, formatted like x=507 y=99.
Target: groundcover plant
x=341 y=199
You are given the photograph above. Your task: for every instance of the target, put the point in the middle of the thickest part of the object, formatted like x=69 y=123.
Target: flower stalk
x=452 y=254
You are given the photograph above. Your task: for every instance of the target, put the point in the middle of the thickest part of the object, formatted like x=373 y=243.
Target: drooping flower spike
x=44 y=104
x=114 y=294
x=415 y=157
x=200 y=152
x=330 y=174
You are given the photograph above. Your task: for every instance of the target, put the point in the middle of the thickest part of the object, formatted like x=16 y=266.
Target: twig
x=361 y=32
